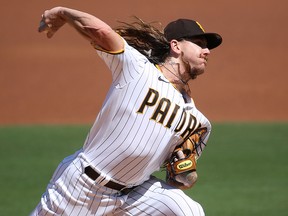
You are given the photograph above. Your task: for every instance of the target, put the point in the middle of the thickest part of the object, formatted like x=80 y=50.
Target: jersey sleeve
x=125 y=65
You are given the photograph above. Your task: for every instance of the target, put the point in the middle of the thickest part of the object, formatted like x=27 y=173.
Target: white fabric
x=142 y=119
x=74 y=193
x=128 y=145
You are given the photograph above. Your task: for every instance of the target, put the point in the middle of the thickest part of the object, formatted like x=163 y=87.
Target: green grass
x=29 y=155
x=243 y=171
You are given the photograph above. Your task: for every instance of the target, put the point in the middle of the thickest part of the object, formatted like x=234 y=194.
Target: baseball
x=43 y=24
x=44 y=27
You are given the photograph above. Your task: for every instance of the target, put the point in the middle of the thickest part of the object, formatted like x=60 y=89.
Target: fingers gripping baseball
x=51 y=21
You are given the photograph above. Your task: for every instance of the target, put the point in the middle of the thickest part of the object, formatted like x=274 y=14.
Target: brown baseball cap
x=186 y=28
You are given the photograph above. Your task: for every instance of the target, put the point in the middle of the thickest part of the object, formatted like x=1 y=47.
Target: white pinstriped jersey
x=141 y=121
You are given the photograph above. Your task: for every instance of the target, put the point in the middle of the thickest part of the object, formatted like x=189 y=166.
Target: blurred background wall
x=62 y=80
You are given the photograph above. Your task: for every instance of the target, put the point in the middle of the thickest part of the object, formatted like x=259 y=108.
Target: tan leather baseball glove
x=181 y=168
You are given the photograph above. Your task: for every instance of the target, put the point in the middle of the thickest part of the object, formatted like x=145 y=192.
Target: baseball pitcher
x=148 y=121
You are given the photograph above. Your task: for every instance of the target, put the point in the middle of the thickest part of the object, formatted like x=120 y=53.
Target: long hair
x=146 y=38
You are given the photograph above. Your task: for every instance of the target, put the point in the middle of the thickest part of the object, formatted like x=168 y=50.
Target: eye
x=200 y=43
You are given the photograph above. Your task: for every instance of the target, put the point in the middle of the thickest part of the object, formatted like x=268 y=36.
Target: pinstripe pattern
x=154 y=197
x=141 y=121
x=126 y=151
x=73 y=193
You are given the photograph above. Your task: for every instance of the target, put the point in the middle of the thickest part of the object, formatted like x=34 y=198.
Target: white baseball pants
x=71 y=192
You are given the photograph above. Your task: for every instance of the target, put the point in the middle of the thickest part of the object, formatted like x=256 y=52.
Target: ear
x=174 y=45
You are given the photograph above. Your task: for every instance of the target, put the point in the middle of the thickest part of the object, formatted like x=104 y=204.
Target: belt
x=91 y=173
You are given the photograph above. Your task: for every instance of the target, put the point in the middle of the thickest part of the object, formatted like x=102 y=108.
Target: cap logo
x=200 y=26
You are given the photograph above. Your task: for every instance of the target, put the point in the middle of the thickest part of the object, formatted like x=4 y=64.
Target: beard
x=192 y=71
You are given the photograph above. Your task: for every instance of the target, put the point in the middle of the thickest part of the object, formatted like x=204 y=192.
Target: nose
x=206 y=51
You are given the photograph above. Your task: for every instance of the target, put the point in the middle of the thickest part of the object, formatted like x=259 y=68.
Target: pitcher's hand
x=51 y=21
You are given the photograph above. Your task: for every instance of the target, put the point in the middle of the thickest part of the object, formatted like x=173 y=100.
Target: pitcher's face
x=194 y=55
